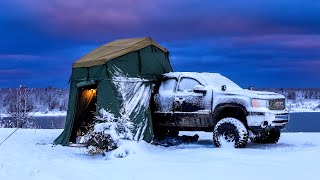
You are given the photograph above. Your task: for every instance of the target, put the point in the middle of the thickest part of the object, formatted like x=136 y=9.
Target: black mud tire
x=272 y=136
x=233 y=130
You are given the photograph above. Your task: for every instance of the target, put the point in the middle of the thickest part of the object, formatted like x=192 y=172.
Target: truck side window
x=168 y=85
x=187 y=84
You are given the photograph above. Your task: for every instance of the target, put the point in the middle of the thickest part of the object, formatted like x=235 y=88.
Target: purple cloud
x=296 y=41
x=15 y=72
x=270 y=37
x=22 y=57
x=165 y=19
x=67 y=18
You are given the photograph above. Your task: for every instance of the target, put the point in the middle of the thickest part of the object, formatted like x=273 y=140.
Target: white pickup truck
x=189 y=101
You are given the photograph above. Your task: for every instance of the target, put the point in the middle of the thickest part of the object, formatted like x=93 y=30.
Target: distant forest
x=36 y=99
x=296 y=94
x=54 y=99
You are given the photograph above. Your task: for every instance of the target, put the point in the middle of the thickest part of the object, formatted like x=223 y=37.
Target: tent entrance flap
x=85 y=109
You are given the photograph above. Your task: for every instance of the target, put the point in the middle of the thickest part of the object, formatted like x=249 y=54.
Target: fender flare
x=222 y=106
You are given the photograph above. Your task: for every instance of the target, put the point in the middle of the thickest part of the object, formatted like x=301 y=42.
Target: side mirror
x=250 y=88
x=200 y=89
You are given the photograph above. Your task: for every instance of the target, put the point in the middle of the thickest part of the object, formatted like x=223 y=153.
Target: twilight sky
x=261 y=43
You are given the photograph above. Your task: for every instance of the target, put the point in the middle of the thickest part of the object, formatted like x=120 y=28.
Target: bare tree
x=51 y=98
x=19 y=108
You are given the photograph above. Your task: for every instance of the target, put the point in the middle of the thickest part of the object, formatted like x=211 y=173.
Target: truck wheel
x=230 y=130
x=270 y=137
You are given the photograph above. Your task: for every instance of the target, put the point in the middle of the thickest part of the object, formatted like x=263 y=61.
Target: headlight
x=259 y=103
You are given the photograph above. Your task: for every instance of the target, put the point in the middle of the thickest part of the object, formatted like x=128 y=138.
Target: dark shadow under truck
x=187 y=101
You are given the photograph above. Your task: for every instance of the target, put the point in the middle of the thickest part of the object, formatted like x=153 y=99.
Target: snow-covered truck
x=190 y=101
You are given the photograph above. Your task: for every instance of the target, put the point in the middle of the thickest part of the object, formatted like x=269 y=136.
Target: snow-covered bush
x=106 y=132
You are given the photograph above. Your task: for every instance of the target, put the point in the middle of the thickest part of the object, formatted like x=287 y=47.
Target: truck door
x=191 y=109
x=164 y=99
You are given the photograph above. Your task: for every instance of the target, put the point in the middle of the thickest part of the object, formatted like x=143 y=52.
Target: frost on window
x=166 y=95
x=168 y=85
x=187 y=84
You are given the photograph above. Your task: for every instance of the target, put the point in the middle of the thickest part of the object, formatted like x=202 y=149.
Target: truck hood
x=255 y=94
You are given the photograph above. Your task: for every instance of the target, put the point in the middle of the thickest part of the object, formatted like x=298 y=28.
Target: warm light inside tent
x=89 y=93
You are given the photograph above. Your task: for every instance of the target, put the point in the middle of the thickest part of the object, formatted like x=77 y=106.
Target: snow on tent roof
x=113 y=50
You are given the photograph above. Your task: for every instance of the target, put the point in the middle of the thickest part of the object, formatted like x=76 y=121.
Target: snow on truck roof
x=190 y=74
x=215 y=80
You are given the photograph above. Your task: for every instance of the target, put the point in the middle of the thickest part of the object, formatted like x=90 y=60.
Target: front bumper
x=268 y=119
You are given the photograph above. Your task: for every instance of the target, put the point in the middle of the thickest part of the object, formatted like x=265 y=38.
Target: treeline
x=55 y=99
x=34 y=99
x=296 y=94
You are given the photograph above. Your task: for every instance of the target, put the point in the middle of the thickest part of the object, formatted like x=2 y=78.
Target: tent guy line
x=28 y=118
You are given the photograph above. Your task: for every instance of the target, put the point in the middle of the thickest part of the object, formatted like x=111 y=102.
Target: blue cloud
x=264 y=44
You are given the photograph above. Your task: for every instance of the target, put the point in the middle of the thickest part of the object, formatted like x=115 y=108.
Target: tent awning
x=113 y=50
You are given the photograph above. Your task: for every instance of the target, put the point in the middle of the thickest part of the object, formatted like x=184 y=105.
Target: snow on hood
x=254 y=94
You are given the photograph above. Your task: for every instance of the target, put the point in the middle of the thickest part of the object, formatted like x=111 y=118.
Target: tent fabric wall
x=147 y=63
x=148 y=67
x=64 y=137
x=108 y=98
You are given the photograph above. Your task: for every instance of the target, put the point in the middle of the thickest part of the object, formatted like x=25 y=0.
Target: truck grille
x=277 y=104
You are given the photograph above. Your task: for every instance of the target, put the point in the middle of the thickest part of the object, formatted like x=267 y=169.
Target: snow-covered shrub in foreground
x=106 y=133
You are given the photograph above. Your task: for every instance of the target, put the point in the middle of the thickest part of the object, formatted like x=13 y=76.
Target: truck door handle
x=180 y=99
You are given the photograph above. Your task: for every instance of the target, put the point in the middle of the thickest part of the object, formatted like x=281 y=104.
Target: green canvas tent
x=117 y=77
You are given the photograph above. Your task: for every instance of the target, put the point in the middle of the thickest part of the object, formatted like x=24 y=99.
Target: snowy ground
x=41 y=114
x=27 y=155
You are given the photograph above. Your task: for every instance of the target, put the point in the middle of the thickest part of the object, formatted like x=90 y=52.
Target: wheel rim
x=229 y=136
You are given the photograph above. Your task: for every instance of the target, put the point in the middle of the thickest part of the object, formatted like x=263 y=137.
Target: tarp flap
x=135 y=96
x=85 y=83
